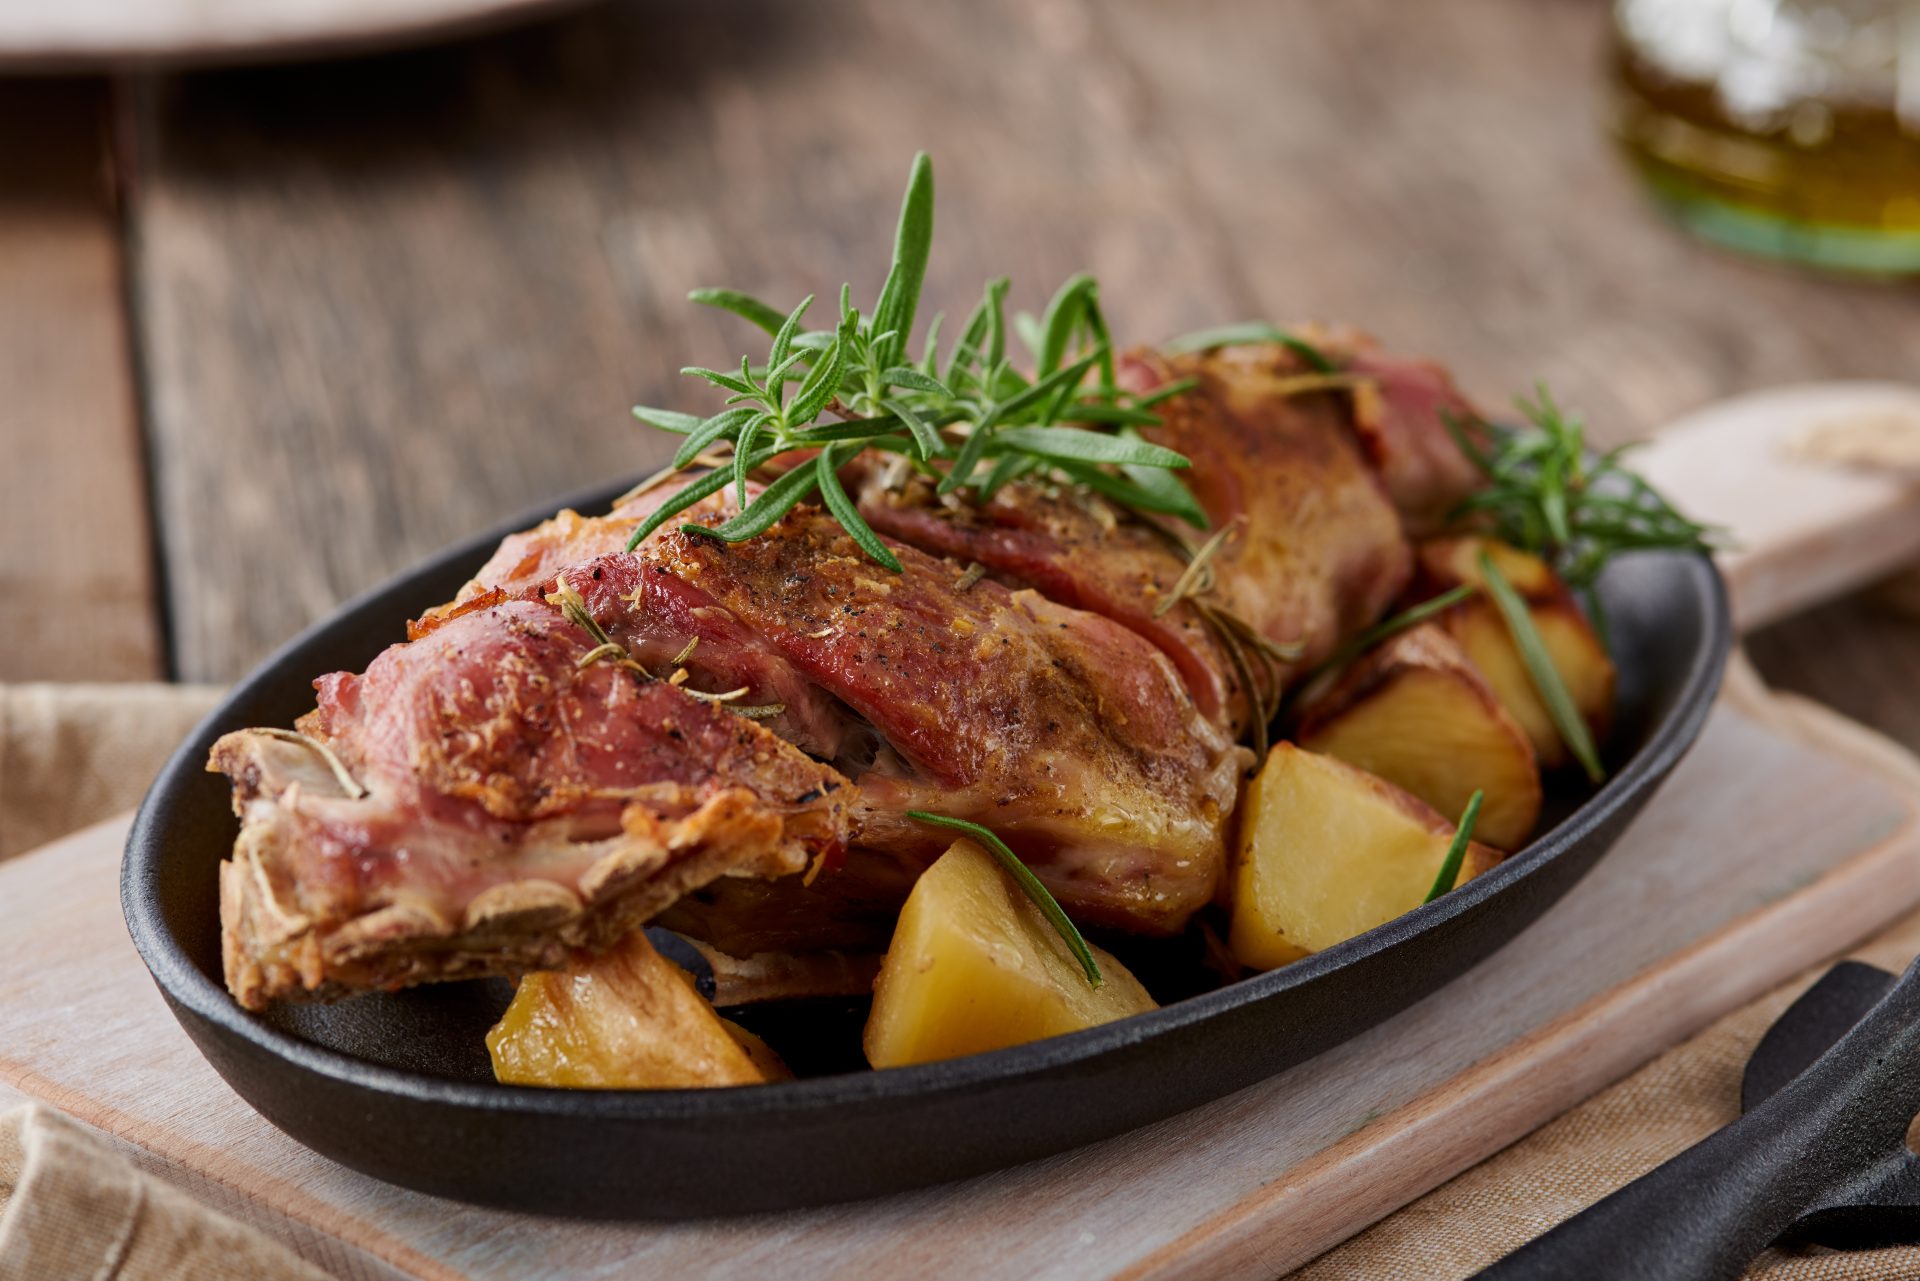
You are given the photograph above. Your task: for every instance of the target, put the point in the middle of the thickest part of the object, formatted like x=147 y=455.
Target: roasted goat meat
x=482 y=800
x=1313 y=548
x=1064 y=731
x=703 y=720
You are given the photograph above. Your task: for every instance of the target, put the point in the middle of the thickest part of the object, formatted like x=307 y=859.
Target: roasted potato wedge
x=1328 y=851
x=974 y=966
x=627 y=1019
x=1415 y=712
x=1482 y=635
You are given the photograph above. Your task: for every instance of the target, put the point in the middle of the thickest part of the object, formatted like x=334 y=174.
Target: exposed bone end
x=521 y=905
x=264 y=763
x=384 y=929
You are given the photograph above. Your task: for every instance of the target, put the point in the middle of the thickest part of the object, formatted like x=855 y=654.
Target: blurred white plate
x=83 y=34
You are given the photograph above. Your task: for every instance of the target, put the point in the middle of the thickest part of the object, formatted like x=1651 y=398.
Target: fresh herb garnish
x=1545 y=675
x=1457 y=851
x=1547 y=495
x=968 y=419
x=1257 y=661
x=1248 y=332
x=1029 y=883
x=1388 y=628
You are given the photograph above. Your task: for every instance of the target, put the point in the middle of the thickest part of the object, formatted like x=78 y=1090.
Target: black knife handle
x=1706 y=1213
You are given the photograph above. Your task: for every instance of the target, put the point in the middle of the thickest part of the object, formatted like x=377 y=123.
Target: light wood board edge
x=1409 y=1152
x=1798 y=531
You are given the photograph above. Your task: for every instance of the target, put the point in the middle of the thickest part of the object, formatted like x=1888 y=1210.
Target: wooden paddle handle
x=1802 y=530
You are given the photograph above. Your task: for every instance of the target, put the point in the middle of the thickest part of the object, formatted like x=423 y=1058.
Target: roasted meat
x=479 y=802
x=589 y=736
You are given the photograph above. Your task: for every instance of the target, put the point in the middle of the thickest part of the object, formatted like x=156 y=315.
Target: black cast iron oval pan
x=397 y=1086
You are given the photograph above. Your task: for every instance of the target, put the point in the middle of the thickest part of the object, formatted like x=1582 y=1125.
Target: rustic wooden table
x=269 y=335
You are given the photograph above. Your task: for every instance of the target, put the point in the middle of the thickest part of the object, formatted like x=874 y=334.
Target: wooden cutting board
x=1786 y=836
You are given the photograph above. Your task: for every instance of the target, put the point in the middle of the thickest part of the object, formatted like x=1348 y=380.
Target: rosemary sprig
x=1540 y=668
x=967 y=417
x=1252 y=331
x=1257 y=661
x=1385 y=630
x=573 y=607
x=1547 y=495
x=1457 y=851
x=1029 y=883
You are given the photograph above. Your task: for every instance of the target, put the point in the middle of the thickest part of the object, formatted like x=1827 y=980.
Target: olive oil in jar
x=1788 y=128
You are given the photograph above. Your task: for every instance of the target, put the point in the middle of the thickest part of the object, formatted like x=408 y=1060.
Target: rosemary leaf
x=775 y=501
x=705 y=487
x=746 y=306
x=912 y=242
x=927 y=440
x=743 y=457
x=965 y=463
x=783 y=341
x=1129 y=493
x=1007 y=468
x=1064 y=314
x=726 y=423
x=1177 y=387
x=1249 y=332
x=667 y=419
x=1029 y=884
x=826 y=473
x=1387 y=629
x=1457 y=851
x=1089 y=446
x=1540 y=667
x=1010 y=409
x=913 y=380
x=822 y=382
x=728 y=381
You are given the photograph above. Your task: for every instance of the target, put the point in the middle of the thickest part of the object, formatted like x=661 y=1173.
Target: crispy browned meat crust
x=495 y=805
x=519 y=805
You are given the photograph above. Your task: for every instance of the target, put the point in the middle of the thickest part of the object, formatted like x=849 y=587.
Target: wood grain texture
x=1677 y=924
x=384 y=303
x=76 y=580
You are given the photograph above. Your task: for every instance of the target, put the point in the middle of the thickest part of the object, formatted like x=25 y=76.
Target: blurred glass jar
x=1789 y=128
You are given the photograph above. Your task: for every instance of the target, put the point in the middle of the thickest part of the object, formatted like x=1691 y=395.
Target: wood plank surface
x=76 y=567
x=383 y=303
x=1780 y=841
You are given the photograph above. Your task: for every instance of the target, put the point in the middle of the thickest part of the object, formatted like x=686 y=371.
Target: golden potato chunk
x=974 y=966
x=1328 y=851
x=627 y=1019
x=1415 y=712
x=1483 y=637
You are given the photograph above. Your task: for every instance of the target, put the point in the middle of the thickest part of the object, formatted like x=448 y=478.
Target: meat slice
x=1322 y=554
x=1076 y=551
x=1313 y=548
x=1066 y=733
x=482 y=800
x=1401 y=409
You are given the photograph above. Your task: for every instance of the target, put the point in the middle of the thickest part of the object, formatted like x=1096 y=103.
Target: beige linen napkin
x=71 y=755
x=70 y=1207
